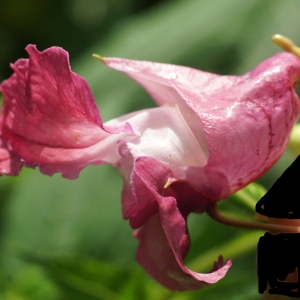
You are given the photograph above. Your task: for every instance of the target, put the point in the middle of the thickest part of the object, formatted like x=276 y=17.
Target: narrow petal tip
x=99 y=57
x=286 y=44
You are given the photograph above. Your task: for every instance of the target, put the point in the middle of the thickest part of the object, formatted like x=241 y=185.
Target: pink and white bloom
x=210 y=136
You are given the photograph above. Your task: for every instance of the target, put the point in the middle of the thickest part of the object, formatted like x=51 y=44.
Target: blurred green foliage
x=71 y=24
x=65 y=239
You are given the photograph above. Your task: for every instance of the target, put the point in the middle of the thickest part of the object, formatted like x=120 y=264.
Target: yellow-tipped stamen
x=99 y=57
x=213 y=212
x=168 y=183
x=286 y=44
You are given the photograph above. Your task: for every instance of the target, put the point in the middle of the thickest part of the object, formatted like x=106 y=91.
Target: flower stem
x=213 y=212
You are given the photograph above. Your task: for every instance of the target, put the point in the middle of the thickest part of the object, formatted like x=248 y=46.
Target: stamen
x=168 y=183
x=286 y=43
x=213 y=212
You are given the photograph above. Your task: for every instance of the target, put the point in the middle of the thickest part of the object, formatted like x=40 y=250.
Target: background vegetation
x=66 y=240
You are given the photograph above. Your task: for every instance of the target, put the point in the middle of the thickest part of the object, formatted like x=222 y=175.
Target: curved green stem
x=213 y=212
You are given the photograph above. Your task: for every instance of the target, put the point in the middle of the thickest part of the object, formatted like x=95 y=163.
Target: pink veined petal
x=46 y=103
x=50 y=118
x=246 y=119
x=164 y=241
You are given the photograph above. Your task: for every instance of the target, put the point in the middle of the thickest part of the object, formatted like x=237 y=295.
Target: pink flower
x=210 y=136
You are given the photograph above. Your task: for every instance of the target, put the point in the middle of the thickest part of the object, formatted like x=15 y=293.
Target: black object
x=278 y=256
x=283 y=198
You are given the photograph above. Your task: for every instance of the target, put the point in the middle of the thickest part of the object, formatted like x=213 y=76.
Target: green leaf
x=29 y=284
x=246 y=198
x=88 y=278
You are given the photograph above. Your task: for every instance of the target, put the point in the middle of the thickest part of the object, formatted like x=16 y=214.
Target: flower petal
x=159 y=81
x=148 y=178
x=52 y=105
x=212 y=184
x=162 y=135
x=246 y=119
x=49 y=114
x=164 y=241
x=10 y=163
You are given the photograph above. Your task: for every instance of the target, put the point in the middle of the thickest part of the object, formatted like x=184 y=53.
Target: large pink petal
x=176 y=234
x=246 y=119
x=50 y=118
x=46 y=103
x=164 y=240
